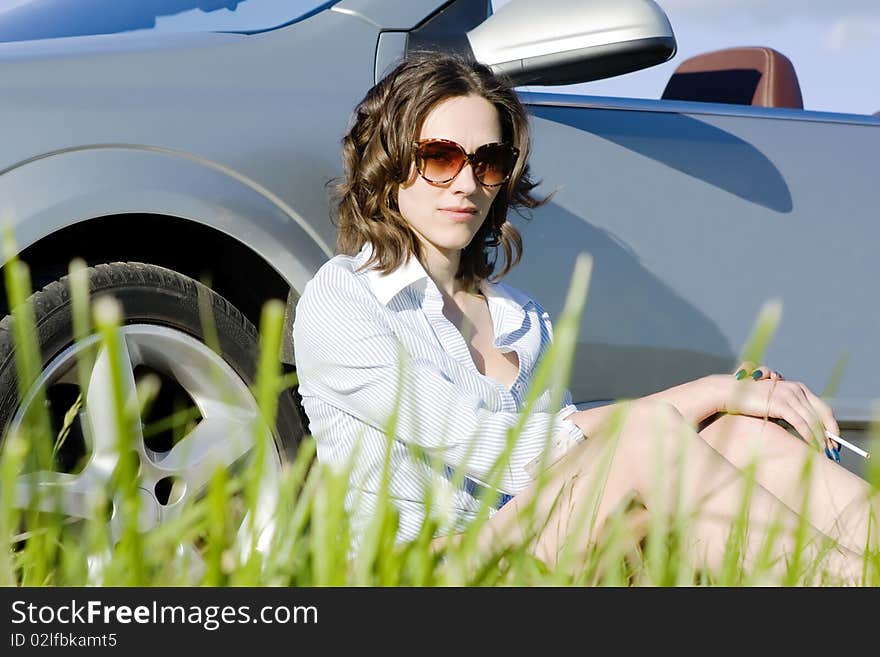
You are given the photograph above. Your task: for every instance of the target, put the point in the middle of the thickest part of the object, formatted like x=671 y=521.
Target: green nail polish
x=757 y=374
x=740 y=375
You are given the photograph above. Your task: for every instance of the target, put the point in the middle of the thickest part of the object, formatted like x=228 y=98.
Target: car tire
x=156 y=303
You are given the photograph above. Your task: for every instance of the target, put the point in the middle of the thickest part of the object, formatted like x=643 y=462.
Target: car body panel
x=122 y=179
x=393 y=14
x=729 y=211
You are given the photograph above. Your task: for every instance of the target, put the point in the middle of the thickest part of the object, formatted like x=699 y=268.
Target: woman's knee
x=658 y=410
x=652 y=430
x=626 y=451
x=652 y=421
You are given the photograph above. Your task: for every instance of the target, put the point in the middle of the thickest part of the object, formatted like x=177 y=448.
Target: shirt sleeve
x=348 y=356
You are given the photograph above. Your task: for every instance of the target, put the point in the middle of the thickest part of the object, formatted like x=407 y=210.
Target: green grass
x=310 y=543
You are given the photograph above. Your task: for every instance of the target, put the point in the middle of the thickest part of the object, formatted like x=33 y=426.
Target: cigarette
x=849 y=446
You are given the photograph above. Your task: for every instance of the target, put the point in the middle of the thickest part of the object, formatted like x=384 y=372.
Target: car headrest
x=741 y=76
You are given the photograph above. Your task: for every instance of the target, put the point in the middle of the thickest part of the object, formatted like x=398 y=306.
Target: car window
x=24 y=20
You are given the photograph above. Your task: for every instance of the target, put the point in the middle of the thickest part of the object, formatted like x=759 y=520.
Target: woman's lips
x=458 y=214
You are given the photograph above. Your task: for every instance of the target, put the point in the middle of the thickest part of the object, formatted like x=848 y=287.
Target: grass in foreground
x=296 y=529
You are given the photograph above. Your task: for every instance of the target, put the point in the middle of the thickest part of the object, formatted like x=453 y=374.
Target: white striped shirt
x=350 y=330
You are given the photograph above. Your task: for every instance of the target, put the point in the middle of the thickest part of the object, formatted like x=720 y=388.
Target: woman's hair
x=378 y=153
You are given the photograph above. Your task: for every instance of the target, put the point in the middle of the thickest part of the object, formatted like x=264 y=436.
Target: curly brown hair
x=378 y=152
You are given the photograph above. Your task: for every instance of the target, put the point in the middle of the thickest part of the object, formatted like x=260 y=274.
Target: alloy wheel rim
x=172 y=473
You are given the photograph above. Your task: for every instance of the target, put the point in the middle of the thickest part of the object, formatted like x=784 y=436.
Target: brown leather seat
x=741 y=76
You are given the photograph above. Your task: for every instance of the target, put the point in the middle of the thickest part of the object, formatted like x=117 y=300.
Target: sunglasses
x=439 y=161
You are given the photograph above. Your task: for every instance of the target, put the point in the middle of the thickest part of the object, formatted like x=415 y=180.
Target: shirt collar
x=386 y=286
x=507 y=306
x=504 y=295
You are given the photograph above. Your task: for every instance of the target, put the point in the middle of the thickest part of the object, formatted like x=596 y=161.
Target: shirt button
x=520 y=388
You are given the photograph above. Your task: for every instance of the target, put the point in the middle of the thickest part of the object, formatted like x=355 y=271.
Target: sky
x=833 y=44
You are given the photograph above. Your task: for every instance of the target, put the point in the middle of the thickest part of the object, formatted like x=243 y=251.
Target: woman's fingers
x=802 y=426
x=812 y=413
x=760 y=373
x=743 y=370
x=792 y=401
x=756 y=372
x=823 y=410
x=792 y=405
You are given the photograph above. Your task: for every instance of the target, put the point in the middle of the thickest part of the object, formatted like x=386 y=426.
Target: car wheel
x=163 y=336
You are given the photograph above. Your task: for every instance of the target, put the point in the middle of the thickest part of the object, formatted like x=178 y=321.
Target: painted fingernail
x=829 y=454
x=740 y=375
x=836 y=455
x=757 y=374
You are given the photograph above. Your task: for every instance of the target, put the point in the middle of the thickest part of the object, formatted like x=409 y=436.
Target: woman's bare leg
x=837 y=501
x=657 y=457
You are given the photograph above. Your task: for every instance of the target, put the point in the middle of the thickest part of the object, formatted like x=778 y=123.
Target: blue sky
x=833 y=44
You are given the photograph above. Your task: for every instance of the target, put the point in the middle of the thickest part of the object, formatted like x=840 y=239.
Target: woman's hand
x=762 y=392
x=758 y=373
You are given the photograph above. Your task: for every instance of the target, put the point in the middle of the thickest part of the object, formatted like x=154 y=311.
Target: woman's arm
x=695 y=400
x=722 y=393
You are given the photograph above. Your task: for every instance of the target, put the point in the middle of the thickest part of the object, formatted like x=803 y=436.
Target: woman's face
x=434 y=211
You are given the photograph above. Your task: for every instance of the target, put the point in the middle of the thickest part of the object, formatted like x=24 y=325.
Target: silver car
x=174 y=142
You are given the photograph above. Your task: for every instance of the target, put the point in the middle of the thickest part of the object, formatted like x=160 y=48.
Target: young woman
x=410 y=320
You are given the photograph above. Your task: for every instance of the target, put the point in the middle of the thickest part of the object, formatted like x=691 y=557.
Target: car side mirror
x=568 y=41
